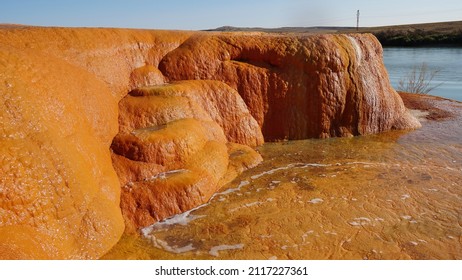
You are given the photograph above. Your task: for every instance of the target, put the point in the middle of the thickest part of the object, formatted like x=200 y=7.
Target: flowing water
x=447 y=61
x=396 y=195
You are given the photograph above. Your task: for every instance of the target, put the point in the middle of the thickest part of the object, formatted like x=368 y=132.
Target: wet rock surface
x=185 y=129
x=106 y=130
x=394 y=195
x=298 y=87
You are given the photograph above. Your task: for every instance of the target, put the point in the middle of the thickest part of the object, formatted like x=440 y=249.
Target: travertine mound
x=58 y=191
x=98 y=126
x=298 y=87
x=182 y=131
x=223 y=104
x=59 y=94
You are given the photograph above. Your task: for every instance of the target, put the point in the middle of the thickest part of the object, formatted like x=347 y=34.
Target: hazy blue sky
x=203 y=14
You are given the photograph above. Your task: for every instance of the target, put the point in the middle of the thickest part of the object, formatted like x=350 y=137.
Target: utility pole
x=357 y=20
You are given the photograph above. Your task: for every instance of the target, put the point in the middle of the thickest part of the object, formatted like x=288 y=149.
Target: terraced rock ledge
x=106 y=130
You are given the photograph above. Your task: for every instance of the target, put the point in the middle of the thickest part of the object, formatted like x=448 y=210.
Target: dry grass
x=440 y=27
x=437 y=33
x=419 y=80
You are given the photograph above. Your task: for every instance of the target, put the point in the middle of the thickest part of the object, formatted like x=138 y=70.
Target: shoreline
x=436 y=34
x=426 y=103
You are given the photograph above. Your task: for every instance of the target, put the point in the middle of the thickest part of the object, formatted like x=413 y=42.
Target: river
x=400 y=61
x=395 y=195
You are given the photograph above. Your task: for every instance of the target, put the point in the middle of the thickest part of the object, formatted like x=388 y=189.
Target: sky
x=208 y=14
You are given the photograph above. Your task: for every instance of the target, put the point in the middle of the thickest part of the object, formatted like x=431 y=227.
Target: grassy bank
x=426 y=34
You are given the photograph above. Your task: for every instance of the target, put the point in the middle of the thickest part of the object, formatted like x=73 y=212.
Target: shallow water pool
x=396 y=195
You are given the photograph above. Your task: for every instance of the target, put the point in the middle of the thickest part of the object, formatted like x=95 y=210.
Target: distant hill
x=438 y=33
x=315 y=29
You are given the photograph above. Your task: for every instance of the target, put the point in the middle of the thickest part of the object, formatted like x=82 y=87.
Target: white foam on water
x=406 y=217
x=405 y=196
x=306 y=234
x=214 y=251
x=272 y=258
x=361 y=162
x=180 y=219
x=253 y=204
x=267 y=172
x=161 y=244
x=289 y=166
x=228 y=191
x=360 y=221
x=186 y=217
x=246 y=205
x=316 y=201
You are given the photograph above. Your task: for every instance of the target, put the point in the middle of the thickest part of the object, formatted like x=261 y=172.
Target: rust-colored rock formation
x=102 y=129
x=59 y=94
x=298 y=87
x=182 y=131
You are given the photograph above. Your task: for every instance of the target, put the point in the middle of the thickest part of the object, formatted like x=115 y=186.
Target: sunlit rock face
x=298 y=87
x=178 y=144
x=106 y=130
x=204 y=100
x=58 y=191
x=59 y=94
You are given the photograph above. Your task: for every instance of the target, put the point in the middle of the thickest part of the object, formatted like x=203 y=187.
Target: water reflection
x=395 y=195
x=400 y=62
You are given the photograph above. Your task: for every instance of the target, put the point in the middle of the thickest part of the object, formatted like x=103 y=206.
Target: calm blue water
x=400 y=61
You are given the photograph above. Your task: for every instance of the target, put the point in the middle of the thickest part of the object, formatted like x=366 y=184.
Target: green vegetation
x=424 y=34
x=418 y=37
